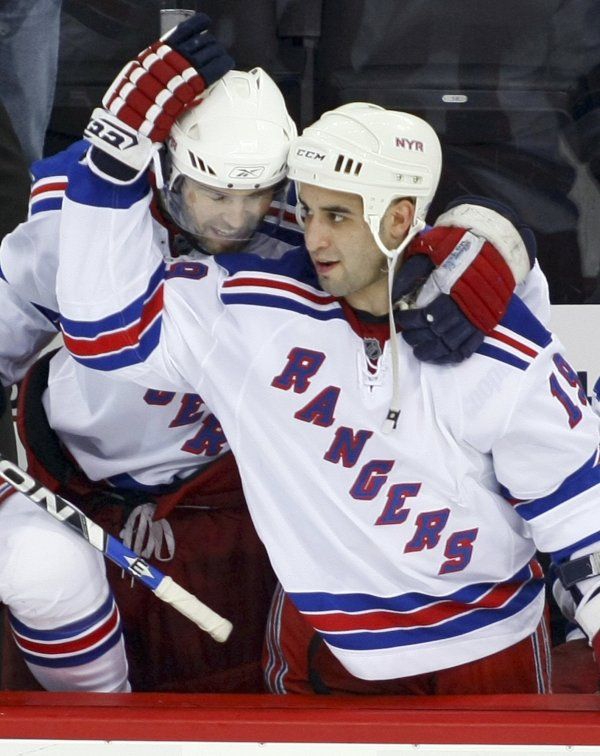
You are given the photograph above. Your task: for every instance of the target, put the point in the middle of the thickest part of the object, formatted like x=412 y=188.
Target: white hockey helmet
x=237 y=137
x=380 y=155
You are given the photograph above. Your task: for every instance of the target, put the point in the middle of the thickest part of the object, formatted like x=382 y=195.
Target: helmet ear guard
x=380 y=155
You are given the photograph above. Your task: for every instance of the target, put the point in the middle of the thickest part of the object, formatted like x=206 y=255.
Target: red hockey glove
x=462 y=274
x=149 y=94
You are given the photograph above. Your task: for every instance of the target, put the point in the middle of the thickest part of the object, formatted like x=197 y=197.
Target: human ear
x=397 y=220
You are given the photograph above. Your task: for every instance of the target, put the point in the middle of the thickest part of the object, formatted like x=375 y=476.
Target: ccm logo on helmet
x=310 y=154
x=409 y=144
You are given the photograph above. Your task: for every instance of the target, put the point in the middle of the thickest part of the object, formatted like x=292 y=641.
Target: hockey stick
x=163 y=586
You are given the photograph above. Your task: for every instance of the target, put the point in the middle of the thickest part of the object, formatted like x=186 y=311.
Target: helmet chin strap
x=393 y=255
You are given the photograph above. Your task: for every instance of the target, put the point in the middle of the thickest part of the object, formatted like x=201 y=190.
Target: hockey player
x=130 y=455
x=401 y=503
x=53 y=583
x=66 y=407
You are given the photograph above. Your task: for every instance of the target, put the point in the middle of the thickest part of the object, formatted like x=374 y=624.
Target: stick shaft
x=164 y=587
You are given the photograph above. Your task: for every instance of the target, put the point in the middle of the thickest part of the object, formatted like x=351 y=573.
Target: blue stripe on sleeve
x=563 y=554
x=89 y=329
x=581 y=480
x=45 y=205
x=129 y=356
x=500 y=354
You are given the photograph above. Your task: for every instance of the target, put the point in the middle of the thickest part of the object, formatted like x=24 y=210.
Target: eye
x=336 y=217
x=213 y=194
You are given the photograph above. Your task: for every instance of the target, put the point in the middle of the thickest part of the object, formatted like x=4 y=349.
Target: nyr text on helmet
x=409 y=144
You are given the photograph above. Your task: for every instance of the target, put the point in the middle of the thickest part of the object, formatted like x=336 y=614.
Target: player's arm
x=546 y=457
x=112 y=271
x=28 y=262
x=112 y=280
x=457 y=279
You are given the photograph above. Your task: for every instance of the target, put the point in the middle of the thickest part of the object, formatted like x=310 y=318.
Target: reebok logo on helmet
x=251 y=171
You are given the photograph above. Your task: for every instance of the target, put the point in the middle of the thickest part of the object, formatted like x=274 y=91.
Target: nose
x=315 y=234
x=235 y=214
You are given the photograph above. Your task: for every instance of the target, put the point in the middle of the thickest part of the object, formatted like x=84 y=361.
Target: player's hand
x=149 y=94
x=471 y=261
x=439 y=333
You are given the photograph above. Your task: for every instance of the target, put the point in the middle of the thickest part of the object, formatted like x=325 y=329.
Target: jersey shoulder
x=294 y=264
x=49 y=178
x=509 y=364
x=518 y=339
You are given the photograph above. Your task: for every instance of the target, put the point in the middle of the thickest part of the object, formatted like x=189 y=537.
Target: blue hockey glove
x=439 y=333
x=458 y=278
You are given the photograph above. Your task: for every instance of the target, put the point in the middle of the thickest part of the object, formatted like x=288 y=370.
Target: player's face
x=224 y=219
x=347 y=261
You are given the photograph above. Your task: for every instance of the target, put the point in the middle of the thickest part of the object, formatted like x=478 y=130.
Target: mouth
x=218 y=233
x=324 y=267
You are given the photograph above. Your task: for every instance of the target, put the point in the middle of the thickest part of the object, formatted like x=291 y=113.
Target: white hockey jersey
x=133 y=437
x=408 y=552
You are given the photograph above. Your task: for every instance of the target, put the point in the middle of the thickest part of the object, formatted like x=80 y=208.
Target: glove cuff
x=444 y=278
x=494 y=228
x=119 y=153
